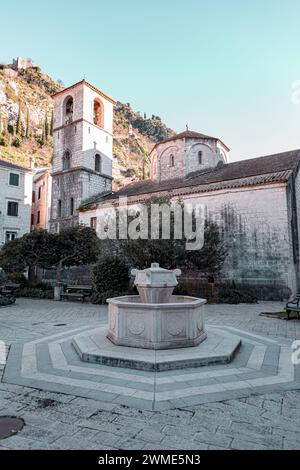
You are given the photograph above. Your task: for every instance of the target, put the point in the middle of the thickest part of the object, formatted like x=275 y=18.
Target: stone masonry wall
x=186 y=160
x=255 y=225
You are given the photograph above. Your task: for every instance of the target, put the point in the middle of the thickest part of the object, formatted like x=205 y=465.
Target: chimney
x=32 y=163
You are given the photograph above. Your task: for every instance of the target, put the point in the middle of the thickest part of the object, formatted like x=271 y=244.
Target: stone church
x=256 y=202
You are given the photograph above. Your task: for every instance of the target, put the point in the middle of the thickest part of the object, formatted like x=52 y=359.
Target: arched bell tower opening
x=68 y=110
x=98 y=115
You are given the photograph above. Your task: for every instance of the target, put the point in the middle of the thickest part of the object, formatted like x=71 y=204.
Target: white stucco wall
x=20 y=194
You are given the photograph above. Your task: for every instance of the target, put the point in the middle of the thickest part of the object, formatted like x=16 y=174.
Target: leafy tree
x=72 y=246
x=110 y=274
x=172 y=253
x=12 y=256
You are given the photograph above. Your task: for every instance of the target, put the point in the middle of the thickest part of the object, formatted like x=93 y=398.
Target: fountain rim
x=191 y=302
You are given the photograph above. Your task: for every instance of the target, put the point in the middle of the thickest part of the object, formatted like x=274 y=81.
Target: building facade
x=255 y=202
x=82 y=150
x=22 y=64
x=41 y=199
x=15 y=200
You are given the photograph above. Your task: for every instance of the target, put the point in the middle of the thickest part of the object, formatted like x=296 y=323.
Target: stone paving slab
x=42 y=364
x=70 y=417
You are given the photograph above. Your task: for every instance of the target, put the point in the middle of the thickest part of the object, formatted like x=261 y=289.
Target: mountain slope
x=25 y=126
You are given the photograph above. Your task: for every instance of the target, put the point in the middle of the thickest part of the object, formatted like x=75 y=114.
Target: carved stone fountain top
x=155 y=284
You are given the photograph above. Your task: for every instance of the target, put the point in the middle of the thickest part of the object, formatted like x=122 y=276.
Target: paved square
x=231 y=406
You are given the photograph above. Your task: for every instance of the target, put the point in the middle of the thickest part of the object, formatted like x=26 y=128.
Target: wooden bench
x=77 y=292
x=293 y=306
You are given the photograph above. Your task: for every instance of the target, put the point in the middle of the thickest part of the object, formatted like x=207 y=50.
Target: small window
x=14 y=179
x=40 y=192
x=67 y=160
x=200 y=157
x=9 y=236
x=71 y=206
x=59 y=208
x=93 y=223
x=33 y=196
x=98 y=163
x=12 y=208
x=32 y=219
x=38 y=217
x=171 y=160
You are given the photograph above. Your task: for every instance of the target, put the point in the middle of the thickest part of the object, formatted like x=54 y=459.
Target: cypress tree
x=27 y=133
x=19 y=123
x=51 y=124
x=46 y=128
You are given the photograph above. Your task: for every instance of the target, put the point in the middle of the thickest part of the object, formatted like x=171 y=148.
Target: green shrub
x=110 y=274
x=97 y=298
x=32 y=292
x=4 y=142
x=3 y=277
x=18 y=278
x=17 y=142
x=4 y=300
x=231 y=294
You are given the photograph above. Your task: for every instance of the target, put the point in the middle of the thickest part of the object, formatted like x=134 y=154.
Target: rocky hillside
x=26 y=117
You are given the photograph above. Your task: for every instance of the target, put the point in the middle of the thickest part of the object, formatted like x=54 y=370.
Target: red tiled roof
x=8 y=164
x=262 y=170
x=84 y=82
x=189 y=135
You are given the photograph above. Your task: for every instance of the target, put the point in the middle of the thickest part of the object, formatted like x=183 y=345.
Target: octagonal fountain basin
x=177 y=323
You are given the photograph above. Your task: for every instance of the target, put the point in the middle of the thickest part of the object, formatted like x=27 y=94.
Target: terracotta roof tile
x=261 y=170
x=8 y=164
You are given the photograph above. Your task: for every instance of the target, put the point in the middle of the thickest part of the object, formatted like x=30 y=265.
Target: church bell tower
x=82 y=150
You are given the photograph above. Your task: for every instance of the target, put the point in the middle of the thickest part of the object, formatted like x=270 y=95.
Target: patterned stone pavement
x=54 y=420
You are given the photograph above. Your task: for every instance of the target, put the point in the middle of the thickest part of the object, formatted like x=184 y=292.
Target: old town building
x=82 y=150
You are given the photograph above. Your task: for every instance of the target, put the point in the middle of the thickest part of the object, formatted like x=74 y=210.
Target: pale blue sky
x=225 y=67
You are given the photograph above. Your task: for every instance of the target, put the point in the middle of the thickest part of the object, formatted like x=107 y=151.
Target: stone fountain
x=156 y=319
x=155 y=330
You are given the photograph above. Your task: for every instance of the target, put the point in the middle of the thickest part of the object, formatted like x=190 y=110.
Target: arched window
x=200 y=157
x=68 y=111
x=171 y=160
x=98 y=163
x=67 y=160
x=98 y=113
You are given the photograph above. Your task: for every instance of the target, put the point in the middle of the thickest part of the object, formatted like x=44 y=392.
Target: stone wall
x=185 y=157
x=255 y=224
